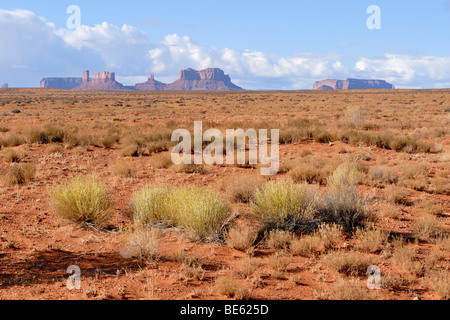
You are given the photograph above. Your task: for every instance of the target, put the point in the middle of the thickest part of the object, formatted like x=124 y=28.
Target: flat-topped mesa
x=207 y=79
x=189 y=79
x=60 y=83
x=5 y=86
x=351 y=84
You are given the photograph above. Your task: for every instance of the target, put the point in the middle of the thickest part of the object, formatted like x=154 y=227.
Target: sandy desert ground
x=393 y=145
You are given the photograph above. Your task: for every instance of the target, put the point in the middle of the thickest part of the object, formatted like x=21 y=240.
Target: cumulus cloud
x=120 y=48
x=33 y=48
x=30 y=48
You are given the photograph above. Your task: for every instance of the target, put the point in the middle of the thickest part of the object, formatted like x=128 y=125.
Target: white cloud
x=33 y=48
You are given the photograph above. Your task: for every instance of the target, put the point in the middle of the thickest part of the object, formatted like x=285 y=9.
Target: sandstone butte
x=351 y=84
x=189 y=79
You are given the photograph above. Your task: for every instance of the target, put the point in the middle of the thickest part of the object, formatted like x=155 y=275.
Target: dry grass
x=396 y=195
x=124 y=168
x=142 y=244
x=279 y=239
x=347 y=262
x=370 y=238
x=199 y=210
x=425 y=227
x=279 y=264
x=405 y=257
x=240 y=238
x=11 y=155
x=307 y=245
x=282 y=204
x=161 y=161
x=17 y=174
x=439 y=282
x=241 y=188
x=349 y=290
x=345 y=207
x=330 y=234
x=247 y=266
x=54 y=148
x=83 y=199
x=230 y=287
x=383 y=174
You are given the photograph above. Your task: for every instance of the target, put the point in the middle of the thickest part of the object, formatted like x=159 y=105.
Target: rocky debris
x=351 y=84
x=5 y=86
x=60 y=83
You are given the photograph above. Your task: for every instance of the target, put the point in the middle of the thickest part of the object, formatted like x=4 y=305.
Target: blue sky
x=283 y=44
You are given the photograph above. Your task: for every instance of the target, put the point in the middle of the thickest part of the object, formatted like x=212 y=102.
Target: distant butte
x=351 y=84
x=189 y=79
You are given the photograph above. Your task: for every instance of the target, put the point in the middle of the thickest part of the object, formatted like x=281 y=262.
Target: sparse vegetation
x=83 y=199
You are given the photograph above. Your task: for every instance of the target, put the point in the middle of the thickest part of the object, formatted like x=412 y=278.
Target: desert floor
x=106 y=134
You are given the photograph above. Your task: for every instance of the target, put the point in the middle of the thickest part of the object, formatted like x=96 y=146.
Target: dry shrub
x=142 y=244
x=279 y=263
x=161 y=161
x=353 y=117
x=347 y=262
x=240 y=238
x=345 y=175
x=443 y=240
x=124 y=168
x=12 y=140
x=389 y=211
x=307 y=245
x=383 y=174
x=241 y=188
x=396 y=195
x=330 y=234
x=17 y=174
x=414 y=171
x=441 y=185
x=415 y=176
x=345 y=207
x=313 y=169
x=391 y=282
x=109 y=141
x=279 y=239
x=425 y=227
x=405 y=257
x=54 y=148
x=11 y=155
x=349 y=290
x=370 y=238
x=191 y=265
x=247 y=266
x=439 y=282
x=191 y=168
x=230 y=287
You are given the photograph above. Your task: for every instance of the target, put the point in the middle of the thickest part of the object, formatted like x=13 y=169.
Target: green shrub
x=282 y=204
x=83 y=199
x=199 y=210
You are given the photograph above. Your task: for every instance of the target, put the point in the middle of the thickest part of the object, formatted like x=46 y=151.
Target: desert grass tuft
x=84 y=199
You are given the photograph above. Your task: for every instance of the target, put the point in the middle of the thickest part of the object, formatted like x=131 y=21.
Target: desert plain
x=390 y=147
